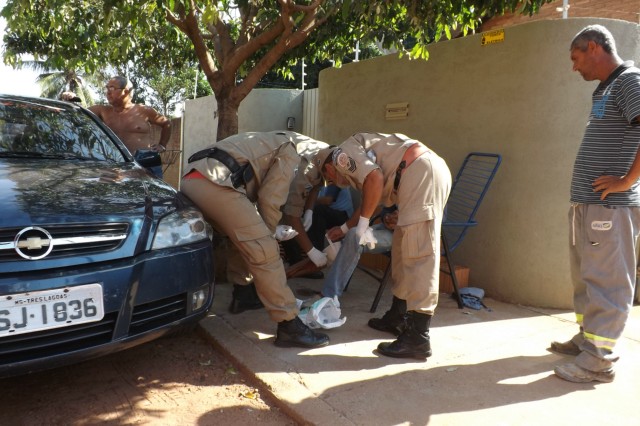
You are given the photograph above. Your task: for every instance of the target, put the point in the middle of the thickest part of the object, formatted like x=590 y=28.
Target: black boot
x=245 y=297
x=393 y=320
x=295 y=333
x=414 y=340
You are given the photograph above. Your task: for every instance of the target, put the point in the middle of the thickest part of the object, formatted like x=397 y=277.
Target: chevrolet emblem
x=33 y=238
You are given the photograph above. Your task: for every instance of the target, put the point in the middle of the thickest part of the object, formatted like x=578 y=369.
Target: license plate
x=41 y=310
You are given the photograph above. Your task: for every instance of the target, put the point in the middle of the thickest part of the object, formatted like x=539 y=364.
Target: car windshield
x=37 y=130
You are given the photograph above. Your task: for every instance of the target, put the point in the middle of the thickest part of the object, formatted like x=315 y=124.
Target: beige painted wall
x=518 y=98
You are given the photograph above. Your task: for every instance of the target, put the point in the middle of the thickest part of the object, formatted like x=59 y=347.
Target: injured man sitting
x=344 y=255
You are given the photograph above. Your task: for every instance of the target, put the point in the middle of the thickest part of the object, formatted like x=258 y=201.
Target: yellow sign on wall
x=491 y=37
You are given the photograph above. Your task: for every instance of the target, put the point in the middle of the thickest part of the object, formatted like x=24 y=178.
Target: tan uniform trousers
x=415 y=249
x=231 y=212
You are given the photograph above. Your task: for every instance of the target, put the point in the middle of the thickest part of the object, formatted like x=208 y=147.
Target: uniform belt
x=413 y=152
x=240 y=175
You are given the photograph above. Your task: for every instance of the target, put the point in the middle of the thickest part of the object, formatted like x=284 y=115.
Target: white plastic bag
x=324 y=313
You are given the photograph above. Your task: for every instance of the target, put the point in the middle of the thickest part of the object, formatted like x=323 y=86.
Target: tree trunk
x=227 y=118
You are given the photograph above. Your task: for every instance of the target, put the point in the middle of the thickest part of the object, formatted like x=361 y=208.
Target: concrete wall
x=171 y=158
x=263 y=110
x=268 y=109
x=518 y=98
x=200 y=125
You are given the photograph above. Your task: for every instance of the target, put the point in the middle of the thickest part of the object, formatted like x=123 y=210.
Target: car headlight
x=181 y=227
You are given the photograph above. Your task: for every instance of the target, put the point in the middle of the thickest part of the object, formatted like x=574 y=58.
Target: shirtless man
x=132 y=122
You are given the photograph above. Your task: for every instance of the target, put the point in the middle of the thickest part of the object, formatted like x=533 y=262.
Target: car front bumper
x=143 y=298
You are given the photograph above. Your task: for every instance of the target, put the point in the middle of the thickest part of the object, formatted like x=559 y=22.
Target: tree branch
x=189 y=26
x=287 y=41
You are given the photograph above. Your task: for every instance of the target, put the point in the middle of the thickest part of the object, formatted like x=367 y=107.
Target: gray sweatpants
x=603 y=247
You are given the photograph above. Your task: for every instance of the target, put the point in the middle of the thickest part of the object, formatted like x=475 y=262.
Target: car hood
x=50 y=191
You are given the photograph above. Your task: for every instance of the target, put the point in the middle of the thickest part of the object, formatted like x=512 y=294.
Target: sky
x=15 y=82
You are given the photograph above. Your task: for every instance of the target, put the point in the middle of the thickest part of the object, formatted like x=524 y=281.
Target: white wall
x=263 y=110
x=518 y=98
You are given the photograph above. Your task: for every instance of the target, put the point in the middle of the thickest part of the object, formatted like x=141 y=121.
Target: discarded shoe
x=573 y=373
x=294 y=333
x=565 y=348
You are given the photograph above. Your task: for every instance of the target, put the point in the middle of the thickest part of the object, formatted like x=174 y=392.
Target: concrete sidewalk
x=489 y=367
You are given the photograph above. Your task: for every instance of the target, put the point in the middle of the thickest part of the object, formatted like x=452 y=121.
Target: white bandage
x=344 y=228
x=317 y=257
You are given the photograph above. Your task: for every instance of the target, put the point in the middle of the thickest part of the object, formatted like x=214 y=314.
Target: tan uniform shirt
x=274 y=159
x=420 y=197
x=362 y=153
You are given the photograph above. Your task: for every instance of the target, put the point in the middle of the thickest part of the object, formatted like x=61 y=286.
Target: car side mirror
x=148 y=158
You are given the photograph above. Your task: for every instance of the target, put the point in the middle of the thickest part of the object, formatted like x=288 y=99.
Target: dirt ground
x=179 y=379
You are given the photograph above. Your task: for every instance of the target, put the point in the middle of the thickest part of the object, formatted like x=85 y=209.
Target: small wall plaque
x=397 y=111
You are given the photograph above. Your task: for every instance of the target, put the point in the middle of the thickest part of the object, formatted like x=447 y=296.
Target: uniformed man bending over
x=225 y=181
x=395 y=169
x=302 y=192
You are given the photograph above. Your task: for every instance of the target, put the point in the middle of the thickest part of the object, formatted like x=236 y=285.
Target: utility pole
x=195 y=84
x=303 y=74
x=564 y=9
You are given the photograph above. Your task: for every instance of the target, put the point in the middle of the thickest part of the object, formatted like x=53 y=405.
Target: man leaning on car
x=132 y=122
x=225 y=181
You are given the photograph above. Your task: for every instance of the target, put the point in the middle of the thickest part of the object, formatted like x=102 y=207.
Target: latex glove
x=368 y=239
x=307 y=219
x=285 y=232
x=362 y=226
x=317 y=257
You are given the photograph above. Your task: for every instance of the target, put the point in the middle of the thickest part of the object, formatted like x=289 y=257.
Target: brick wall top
x=625 y=10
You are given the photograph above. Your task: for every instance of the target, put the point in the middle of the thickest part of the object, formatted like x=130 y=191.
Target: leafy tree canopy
x=235 y=42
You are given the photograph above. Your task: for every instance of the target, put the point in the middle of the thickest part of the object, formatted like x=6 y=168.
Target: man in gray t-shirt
x=605 y=209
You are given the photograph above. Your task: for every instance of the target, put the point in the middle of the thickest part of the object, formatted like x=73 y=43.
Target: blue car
x=96 y=255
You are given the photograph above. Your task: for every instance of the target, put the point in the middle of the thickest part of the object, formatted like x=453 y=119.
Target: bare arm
x=164 y=123
x=296 y=222
x=97 y=110
x=312 y=197
x=371 y=194
x=302 y=238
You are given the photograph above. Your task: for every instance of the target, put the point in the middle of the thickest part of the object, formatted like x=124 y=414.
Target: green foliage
x=88 y=34
x=235 y=42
